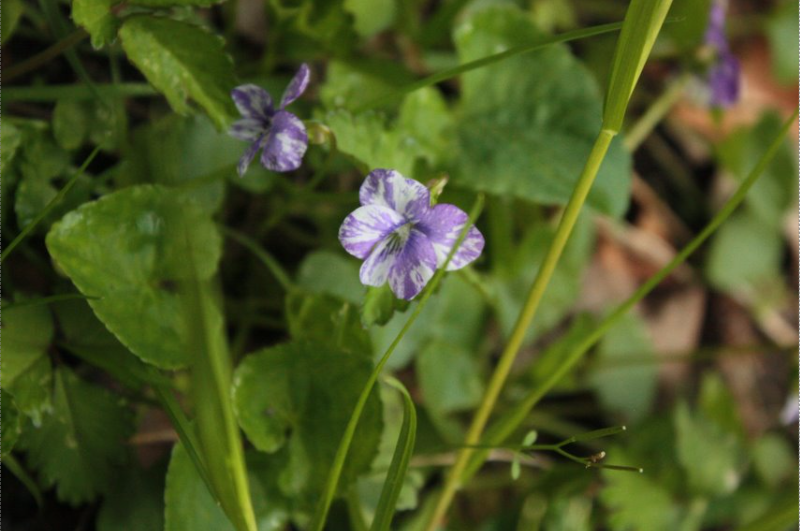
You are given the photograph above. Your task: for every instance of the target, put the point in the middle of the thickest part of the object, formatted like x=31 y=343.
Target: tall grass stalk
x=642 y=24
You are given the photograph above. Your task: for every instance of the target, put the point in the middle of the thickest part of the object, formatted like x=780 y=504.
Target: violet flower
x=278 y=132
x=402 y=238
x=723 y=76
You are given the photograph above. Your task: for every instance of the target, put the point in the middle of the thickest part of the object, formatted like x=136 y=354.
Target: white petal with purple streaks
x=442 y=224
x=250 y=154
x=413 y=267
x=287 y=143
x=252 y=101
x=375 y=269
x=366 y=226
x=247 y=129
x=297 y=86
x=389 y=188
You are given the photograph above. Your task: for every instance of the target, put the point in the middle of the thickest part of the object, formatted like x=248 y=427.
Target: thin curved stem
x=45 y=56
x=565 y=226
x=50 y=206
x=332 y=483
x=515 y=418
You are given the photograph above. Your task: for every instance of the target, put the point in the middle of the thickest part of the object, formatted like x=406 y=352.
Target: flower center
x=399 y=237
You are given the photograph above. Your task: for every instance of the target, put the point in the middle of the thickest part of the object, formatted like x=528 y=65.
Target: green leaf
x=370 y=484
x=90 y=340
x=637 y=501
x=550 y=360
x=71 y=121
x=371 y=16
x=76 y=121
x=12 y=13
x=125 y=249
x=419 y=135
x=395 y=477
x=182 y=61
x=379 y=306
x=745 y=256
x=774 y=192
x=327 y=319
x=301 y=395
x=710 y=456
x=80 y=445
x=347 y=82
x=626 y=386
x=328 y=273
x=135 y=502
x=206 y=158
x=27 y=333
x=449 y=377
x=327 y=23
x=33 y=390
x=524 y=134
x=774 y=459
x=782 y=35
x=176 y=3
x=512 y=287
x=26 y=369
x=95 y=17
x=10 y=141
x=718 y=404
x=692 y=16
x=454 y=316
x=11 y=427
x=41 y=165
x=190 y=507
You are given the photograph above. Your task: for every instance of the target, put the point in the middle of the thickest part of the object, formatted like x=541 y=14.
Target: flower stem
x=77 y=92
x=45 y=56
x=565 y=226
x=332 y=482
x=50 y=206
x=520 y=411
x=655 y=113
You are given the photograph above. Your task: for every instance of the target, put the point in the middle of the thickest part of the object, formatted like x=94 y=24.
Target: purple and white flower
x=280 y=134
x=401 y=237
x=723 y=75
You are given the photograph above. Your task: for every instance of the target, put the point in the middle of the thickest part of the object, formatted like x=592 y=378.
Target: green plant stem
x=515 y=418
x=449 y=73
x=76 y=92
x=22 y=475
x=50 y=206
x=332 y=482
x=185 y=433
x=565 y=226
x=266 y=258
x=46 y=300
x=45 y=56
x=655 y=113
x=354 y=511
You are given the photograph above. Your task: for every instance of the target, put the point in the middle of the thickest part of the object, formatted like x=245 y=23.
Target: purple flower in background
x=278 y=132
x=402 y=238
x=723 y=76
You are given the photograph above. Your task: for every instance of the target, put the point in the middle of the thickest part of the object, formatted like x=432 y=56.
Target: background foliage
x=703 y=373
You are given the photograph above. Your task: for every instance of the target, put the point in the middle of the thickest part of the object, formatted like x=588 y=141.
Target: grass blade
x=450 y=73
x=50 y=206
x=399 y=465
x=508 y=424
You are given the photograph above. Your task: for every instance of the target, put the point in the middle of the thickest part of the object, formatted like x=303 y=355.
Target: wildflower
x=279 y=133
x=723 y=76
x=401 y=237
